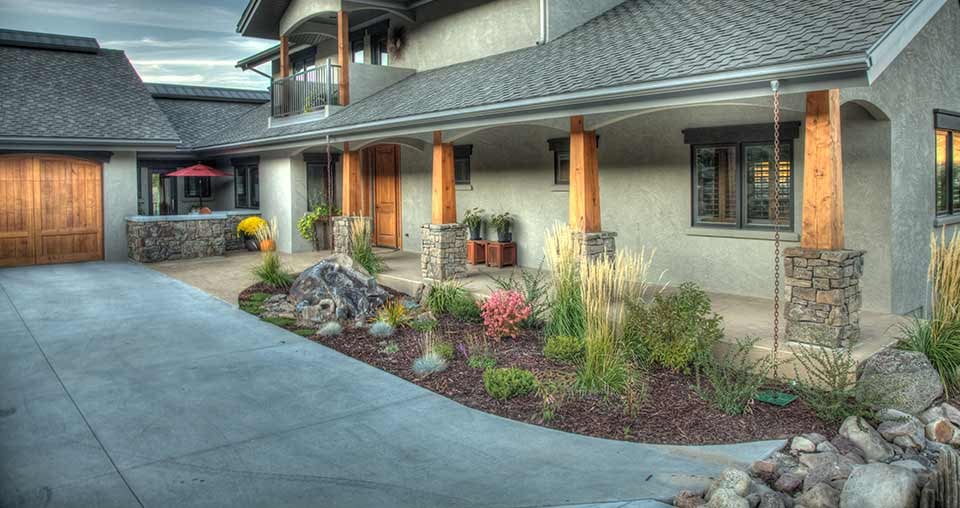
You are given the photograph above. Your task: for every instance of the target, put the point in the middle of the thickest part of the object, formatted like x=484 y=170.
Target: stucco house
x=639 y=122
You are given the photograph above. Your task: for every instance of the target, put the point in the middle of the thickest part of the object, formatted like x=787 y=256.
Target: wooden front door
x=386 y=196
x=51 y=210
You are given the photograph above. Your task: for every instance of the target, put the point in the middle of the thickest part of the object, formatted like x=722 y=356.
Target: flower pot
x=504 y=236
x=251 y=244
x=475 y=232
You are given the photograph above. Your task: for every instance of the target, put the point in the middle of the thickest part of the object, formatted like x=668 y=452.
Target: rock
x=820 y=496
x=337 y=286
x=879 y=486
x=765 y=467
x=932 y=414
x=868 y=440
x=908 y=428
x=278 y=306
x=733 y=479
x=815 y=437
x=802 y=444
x=726 y=498
x=827 y=447
x=943 y=488
x=788 y=483
x=753 y=500
x=919 y=471
x=906 y=378
x=771 y=501
x=688 y=499
x=950 y=413
x=890 y=414
x=940 y=430
x=846 y=446
x=824 y=468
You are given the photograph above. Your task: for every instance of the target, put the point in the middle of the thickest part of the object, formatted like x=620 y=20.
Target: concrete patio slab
x=178 y=399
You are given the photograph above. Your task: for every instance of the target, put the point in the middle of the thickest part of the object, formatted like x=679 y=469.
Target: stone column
x=343 y=232
x=595 y=245
x=823 y=295
x=444 y=251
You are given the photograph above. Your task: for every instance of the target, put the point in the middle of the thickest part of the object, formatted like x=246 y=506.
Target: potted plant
x=314 y=224
x=247 y=230
x=473 y=219
x=503 y=221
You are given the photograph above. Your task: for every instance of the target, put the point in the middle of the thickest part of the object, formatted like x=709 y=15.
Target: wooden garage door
x=50 y=210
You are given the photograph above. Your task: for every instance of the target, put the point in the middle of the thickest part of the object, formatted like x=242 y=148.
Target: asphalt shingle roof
x=636 y=42
x=71 y=94
x=209 y=93
x=196 y=119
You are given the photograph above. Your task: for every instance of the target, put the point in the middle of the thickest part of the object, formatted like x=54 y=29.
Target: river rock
x=802 y=444
x=788 y=483
x=879 y=486
x=868 y=440
x=951 y=413
x=908 y=428
x=824 y=468
x=278 y=306
x=907 y=379
x=941 y=431
x=726 y=498
x=733 y=479
x=931 y=414
x=337 y=286
x=820 y=496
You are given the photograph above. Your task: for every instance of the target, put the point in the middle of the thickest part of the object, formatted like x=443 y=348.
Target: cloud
x=177 y=14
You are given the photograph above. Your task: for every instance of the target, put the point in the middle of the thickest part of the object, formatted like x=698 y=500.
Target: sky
x=187 y=42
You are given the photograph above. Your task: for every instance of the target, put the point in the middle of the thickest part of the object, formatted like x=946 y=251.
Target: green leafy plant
x=677 y=330
x=502 y=221
x=828 y=384
x=361 y=248
x=380 y=329
x=466 y=309
x=330 y=329
x=507 y=383
x=390 y=348
x=444 y=349
x=481 y=362
x=564 y=349
x=940 y=343
x=305 y=225
x=535 y=286
x=394 y=313
x=473 y=218
x=734 y=379
x=442 y=295
x=272 y=272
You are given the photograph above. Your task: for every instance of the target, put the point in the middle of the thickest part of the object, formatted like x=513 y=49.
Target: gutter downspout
x=544 y=22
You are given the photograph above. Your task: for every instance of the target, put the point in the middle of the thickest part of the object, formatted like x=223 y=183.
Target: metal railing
x=306 y=91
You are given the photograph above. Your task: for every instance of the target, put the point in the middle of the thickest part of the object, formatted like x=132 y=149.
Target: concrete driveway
x=120 y=386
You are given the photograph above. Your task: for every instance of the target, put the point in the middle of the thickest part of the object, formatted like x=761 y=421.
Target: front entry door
x=386 y=195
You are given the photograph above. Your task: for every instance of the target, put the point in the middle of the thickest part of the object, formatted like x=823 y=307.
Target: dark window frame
x=197 y=187
x=357 y=46
x=245 y=168
x=949 y=123
x=462 y=153
x=561 y=152
x=742 y=205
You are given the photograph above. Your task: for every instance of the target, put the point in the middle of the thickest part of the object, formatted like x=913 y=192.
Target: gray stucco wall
x=565 y=15
x=921 y=79
x=119 y=201
x=645 y=195
x=283 y=196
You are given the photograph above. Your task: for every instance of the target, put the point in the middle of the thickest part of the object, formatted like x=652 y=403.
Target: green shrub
x=444 y=349
x=534 y=286
x=506 y=383
x=481 y=362
x=564 y=349
x=380 y=329
x=330 y=329
x=443 y=295
x=940 y=344
x=466 y=309
x=423 y=324
x=390 y=348
x=272 y=273
x=734 y=378
x=828 y=384
x=677 y=330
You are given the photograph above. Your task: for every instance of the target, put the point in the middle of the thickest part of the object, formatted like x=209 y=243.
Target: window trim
x=243 y=168
x=741 y=223
x=561 y=148
x=948 y=122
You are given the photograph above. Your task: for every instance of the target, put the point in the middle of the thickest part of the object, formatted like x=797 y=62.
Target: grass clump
x=444 y=295
x=254 y=303
x=330 y=329
x=565 y=314
x=507 y=383
x=389 y=348
x=304 y=332
x=429 y=362
x=281 y=321
x=734 y=379
x=939 y=342
x=380 y=329
x=394 y=313
x=828 y=384
x=361 y=247
x=424 y=325
x=476 y=349
x=271 y=272
x=564 y=349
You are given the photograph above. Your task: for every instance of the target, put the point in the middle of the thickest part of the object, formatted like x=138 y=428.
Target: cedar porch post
x=822 y=173
x=284 y=56
x=343 y=56
x=353 y=201
x=443 y=241
x=584 y=212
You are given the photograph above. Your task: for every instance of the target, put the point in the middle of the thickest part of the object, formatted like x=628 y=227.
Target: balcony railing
x=306 y=91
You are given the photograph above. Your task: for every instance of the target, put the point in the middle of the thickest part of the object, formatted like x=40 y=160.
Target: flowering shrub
x=250 y=226
x=503 y=312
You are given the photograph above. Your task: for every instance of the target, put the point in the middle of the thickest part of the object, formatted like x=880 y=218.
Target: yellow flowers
x=250 y=226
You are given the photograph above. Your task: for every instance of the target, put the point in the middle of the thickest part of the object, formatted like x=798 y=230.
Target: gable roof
x=81 y=94
x=637 y=45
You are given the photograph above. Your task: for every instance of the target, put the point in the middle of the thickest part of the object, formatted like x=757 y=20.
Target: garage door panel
x=17 y=209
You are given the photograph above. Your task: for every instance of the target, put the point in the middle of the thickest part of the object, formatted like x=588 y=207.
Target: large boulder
x=880 y=486
x=907 y=379
x=336 y=287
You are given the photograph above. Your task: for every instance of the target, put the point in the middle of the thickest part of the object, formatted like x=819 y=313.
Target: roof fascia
x=897 y=37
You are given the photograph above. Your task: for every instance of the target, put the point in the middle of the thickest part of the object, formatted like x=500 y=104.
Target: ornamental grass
x=565 y=316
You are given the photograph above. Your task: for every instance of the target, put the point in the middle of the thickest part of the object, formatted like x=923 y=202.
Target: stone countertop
x=192 y=216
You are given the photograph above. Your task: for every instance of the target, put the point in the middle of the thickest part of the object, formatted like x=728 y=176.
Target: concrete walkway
x=120 y=386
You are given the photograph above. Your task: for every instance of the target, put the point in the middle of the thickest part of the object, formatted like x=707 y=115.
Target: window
x=379 y=53
x=246 y=182
x=461 y=164
x=357 y=48
x=947 y=162
x=197 y=187
x=733 y=182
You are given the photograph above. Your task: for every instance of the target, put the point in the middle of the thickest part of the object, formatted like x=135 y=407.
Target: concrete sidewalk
x=120 y=386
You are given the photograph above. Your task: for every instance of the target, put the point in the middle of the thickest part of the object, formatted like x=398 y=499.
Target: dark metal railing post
x=328 y=83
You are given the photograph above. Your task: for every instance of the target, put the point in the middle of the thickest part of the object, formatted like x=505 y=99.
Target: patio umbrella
x=198 y=170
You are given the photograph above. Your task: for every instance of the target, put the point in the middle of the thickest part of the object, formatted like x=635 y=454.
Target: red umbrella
x=198 y=170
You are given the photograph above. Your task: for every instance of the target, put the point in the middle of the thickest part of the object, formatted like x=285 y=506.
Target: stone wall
x=444 y=251
x=151 y=242
x=823 y=295
x=343 y=233
x=595 y=245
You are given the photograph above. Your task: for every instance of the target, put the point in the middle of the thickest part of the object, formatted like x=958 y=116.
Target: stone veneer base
x=444 y=251
x=343 y=232
x=595 y=245
x=823 y=295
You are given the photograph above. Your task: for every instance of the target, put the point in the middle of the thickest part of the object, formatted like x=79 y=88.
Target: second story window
x=947 y=189
x=379 y=50
x=357 y=47
x=461 y=164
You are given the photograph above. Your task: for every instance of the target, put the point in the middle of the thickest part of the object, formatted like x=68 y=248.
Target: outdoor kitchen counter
x=155 y=238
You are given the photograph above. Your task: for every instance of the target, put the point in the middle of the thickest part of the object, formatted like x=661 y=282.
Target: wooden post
x=352 y=189
x=584 y=179
x=444 y=210
x=823 y=173
x=284 y=56
x=343 y=56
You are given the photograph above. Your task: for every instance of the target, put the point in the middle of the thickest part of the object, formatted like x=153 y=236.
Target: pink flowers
x=503 y=312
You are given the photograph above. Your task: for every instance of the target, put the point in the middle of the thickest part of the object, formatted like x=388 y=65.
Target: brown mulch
x=671 y=412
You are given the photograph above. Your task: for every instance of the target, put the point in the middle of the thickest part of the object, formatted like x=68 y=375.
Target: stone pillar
x=595 y=245
x=823 y=295
x=444 y=251
x=343 y=232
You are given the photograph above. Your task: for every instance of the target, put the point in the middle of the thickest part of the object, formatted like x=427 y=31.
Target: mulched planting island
x=670 y=413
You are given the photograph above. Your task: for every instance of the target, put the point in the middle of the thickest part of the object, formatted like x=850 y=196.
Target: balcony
x=307 y=91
